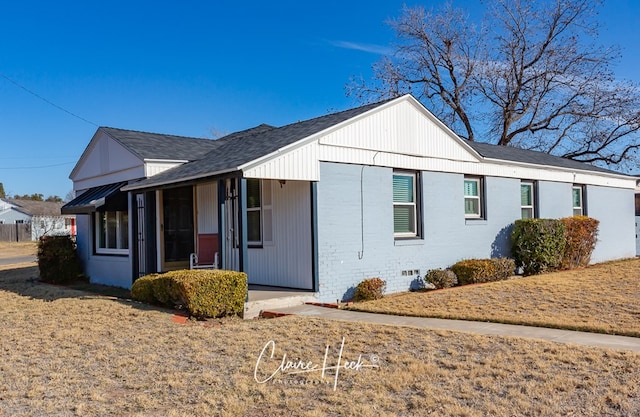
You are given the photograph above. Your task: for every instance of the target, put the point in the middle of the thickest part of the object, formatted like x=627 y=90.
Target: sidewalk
x=552 y=335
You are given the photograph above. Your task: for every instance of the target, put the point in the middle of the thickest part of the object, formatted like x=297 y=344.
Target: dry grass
x=14 y=249
x=603 y=298
x=68 y=353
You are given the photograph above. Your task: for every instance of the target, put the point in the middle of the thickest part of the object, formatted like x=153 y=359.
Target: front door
x=177 y=227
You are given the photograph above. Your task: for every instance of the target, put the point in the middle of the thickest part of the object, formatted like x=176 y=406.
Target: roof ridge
x=352 y=109
x=153 y=133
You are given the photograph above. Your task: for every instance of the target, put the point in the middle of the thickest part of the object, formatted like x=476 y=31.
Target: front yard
x=69 y=353
x=602 y=298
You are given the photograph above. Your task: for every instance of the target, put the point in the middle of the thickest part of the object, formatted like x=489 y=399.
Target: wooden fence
x=20 y=232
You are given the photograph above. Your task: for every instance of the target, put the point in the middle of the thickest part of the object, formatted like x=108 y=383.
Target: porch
x=263 y=297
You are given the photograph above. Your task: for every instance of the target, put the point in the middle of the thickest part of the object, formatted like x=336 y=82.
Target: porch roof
x=90 y=200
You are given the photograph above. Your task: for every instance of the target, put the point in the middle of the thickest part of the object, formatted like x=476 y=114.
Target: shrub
x=164 y=290
x=441 y=278
x=505 y=267
x=204 y=293
x=538 y=244
x=58 y=260
x=473 y=271
x=142 y=289
x=581 y=236
x=370 y=289
x=211 y=293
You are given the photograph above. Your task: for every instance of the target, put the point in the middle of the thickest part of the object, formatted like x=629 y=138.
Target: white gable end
x=401 y=133
x=105 y=161
x=403 y=128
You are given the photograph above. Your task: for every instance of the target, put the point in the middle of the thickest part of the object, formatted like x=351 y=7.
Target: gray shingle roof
x=37 y=208
x=147 y=145
x=232 y=151
x=509 y=153
x=239 y=148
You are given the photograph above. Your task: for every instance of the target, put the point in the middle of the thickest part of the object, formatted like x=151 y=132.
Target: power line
x=41 y=166
x=33 y=93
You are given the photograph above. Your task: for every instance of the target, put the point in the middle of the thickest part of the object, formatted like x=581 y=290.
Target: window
x=473 y=198
x=637 y=205
x=405 y=208
x=579 y=208
x=112 y=232
x=259 y=212
x=527 y=196
x=19 y=221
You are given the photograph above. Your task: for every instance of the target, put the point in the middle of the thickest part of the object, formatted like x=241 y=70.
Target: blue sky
x=193 y=68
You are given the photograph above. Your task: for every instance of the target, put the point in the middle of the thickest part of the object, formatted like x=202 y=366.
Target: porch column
x=242 y=224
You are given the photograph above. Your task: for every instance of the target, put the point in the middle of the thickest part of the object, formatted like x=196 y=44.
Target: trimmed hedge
x=441 y=278
x=204 y=293
x=142 y=289
x=538 y=244
x=212 y=293
x=58 y=260
x=581 y=236
x=475 y=271
x=370 y=289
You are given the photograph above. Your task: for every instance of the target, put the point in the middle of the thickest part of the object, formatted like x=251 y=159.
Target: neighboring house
x=383 y=190
x=44 y=217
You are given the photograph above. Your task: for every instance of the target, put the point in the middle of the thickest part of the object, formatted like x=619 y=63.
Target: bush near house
x=142 y=289
x=581 y=235
x=475 y=271
x=538 y=245
x=441 y=278
x=58 y=260
x=204 y=293
x=370 y=289
x=212 y=293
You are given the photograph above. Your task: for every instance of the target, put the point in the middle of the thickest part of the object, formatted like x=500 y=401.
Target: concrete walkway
x=552 y=335
x=17 y=260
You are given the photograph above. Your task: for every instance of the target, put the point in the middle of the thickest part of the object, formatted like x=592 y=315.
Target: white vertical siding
x=207 y=207
x=154 y=168
x=287 y=262
x=297 y=164
x=400 y=129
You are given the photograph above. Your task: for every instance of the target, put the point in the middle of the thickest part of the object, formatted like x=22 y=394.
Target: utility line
x=33 y=93
x=41 y=166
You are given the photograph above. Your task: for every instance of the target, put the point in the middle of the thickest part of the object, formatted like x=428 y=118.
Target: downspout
x=373 y=162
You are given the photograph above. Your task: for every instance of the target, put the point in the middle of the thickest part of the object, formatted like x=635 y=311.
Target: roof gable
x=37 y=208
x=399 y=133
x=243 y=147
x=146 y=145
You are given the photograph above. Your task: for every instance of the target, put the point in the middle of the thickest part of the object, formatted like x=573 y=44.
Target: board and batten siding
x=207 y=208
x=287 y=260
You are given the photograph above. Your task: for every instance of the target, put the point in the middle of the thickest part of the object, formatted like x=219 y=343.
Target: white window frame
x=121 y=226
x=413 y=204
x=479 y=197
x=257 y=209
x=532 y=206
x=580 y=208
x=266 y=213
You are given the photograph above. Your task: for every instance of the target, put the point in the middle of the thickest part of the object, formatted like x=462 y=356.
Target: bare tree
x=532 y=76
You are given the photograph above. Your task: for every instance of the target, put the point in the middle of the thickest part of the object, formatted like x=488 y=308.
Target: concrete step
x=252 y=309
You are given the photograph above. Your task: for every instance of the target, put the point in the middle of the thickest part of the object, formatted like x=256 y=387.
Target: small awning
x=107 y=197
